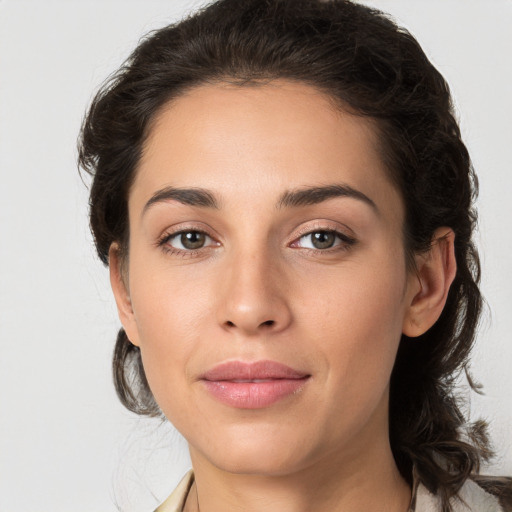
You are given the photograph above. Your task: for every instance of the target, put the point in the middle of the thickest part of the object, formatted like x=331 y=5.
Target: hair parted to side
x=371 y=67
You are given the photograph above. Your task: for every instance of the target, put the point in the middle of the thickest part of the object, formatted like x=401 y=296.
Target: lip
x=253 y=385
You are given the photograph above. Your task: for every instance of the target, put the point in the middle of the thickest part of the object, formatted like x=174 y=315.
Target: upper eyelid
x=174 y=234
x=184 y=227
x=335 y=227
x=346 y=239
x=163 y=241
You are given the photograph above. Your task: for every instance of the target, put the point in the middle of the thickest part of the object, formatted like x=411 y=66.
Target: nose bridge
x=254 y=298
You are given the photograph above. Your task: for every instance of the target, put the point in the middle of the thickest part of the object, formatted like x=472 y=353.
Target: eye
x=188 y=240
x=323 y=239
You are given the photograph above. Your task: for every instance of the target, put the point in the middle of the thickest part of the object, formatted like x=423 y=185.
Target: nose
x=254 y=296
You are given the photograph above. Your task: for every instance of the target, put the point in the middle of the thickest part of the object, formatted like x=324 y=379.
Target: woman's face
x=266 y=277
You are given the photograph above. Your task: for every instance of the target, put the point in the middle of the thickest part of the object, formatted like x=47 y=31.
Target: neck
x=363 y=477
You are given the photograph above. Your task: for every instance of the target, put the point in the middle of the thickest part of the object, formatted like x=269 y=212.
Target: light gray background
x=65 y=442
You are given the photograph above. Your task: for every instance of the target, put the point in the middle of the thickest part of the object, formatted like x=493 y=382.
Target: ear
x=429 y=286
x=119 y=284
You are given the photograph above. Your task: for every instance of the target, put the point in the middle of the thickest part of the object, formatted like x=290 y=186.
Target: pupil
x=323 y=239
x=192 y=240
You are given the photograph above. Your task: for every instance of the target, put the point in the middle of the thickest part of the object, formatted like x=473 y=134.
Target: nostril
x=266 y=324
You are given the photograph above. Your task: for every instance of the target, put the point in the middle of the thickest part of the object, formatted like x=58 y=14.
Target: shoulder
x=176 y=501
x=471 y=498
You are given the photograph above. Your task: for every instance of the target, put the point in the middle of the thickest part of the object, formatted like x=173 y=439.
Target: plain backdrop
x=65 y=442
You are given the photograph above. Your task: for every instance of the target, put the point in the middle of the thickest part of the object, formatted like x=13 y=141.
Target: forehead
x=273 y=136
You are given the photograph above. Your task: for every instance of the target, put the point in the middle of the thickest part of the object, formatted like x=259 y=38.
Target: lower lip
x=254 y=395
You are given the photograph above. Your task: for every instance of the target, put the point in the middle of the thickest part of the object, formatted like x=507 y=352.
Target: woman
x=285 y=204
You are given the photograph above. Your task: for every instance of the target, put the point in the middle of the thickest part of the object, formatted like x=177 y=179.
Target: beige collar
x=176 y=501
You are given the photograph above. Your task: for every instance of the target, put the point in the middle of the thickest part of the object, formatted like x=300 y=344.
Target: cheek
x=358 y=324
x=168 y=315
x=365 y=295
x=168 y=303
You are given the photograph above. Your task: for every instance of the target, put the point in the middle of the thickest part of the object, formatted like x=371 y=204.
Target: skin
x=259 y=289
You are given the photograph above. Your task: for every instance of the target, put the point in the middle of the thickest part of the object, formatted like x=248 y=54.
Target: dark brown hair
x=359 y=57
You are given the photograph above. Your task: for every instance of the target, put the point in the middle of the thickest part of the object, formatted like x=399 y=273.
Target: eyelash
x=345 y=242
x=163 y=243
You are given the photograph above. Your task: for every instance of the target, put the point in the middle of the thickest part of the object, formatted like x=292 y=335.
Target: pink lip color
x=252 y=385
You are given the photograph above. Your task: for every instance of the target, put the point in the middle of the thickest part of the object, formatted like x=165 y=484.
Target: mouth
x=253 y=385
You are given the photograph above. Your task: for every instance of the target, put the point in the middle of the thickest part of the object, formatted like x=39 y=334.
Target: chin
x=265 y=452
x=257 y=463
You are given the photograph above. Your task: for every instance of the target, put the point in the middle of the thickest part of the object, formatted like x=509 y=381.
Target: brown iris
x=323 y=239
x=192 y=239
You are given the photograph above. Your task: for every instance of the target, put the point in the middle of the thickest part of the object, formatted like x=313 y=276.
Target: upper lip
x=257 y=370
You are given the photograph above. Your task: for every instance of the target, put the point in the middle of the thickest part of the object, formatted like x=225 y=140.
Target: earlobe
x=118 y=282
x=430 y=285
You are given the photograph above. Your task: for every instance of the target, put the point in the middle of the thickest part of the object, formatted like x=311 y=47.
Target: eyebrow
x=314 y=195
x=188 y=196
x=289 y=199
